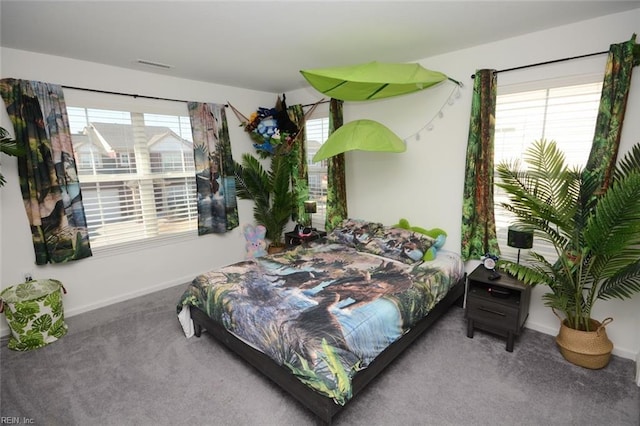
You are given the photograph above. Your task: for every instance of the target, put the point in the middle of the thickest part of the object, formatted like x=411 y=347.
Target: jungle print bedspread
x=324 y=311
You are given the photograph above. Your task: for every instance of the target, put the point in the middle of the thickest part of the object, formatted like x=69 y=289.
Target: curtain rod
x=317 y=103
x=107 y=92
x=549 y=62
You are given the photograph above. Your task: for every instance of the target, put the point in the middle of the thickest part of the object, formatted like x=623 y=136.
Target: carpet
x=130 y=364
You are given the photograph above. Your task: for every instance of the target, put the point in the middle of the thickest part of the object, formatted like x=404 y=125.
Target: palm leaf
x=616 y=222
x=623 y=285
x=630 y=164
x=270 y=191
x=10 y=147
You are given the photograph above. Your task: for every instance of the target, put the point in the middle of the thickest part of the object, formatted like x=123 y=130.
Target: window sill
x=148 y=243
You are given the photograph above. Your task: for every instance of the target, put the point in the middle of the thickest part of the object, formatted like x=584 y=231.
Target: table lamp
x=519 y=238
x=310 y=207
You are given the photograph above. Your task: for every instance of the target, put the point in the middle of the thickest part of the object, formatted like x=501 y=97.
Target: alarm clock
x=489 y=262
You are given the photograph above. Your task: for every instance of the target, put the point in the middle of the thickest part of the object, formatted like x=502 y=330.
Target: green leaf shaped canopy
x=373 y=80
x=365 y=135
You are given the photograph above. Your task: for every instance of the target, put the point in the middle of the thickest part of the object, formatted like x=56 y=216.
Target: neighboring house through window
x=136 y=172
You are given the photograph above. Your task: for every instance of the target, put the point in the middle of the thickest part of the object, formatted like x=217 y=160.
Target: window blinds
x=566 y=114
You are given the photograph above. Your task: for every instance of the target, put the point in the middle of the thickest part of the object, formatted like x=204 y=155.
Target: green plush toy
x=436 y=233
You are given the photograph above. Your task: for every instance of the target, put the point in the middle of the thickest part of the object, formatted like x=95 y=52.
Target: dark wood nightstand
x=498 y=306
x=294 y=239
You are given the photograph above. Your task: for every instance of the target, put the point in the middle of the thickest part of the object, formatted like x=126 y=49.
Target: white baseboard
x=4 y=327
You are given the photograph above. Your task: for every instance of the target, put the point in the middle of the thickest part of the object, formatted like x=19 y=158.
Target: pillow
x=399 y=244
x=354 y=232
x=437 y=233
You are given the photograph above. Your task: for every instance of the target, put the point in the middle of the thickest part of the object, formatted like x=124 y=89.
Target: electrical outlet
x=28 y=276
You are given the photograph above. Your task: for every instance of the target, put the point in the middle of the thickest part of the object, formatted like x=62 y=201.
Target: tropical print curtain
x=215 y=181
x=613 y=103
x=47 y=173
x=478 y=220
x=336 y=181
x=299 y=168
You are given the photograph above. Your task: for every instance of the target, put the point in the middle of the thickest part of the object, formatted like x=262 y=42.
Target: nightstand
x=498 y=306
x=294 y=239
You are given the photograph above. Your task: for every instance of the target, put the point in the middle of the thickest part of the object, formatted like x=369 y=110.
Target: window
x=560 y=112
x=136 y=170
x=317 y=132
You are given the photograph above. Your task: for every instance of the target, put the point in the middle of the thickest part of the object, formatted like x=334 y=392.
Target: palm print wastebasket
x=34 y=313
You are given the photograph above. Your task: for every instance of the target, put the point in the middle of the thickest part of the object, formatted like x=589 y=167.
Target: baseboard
x=621 y=352
x=638 y=369
x=5 y=331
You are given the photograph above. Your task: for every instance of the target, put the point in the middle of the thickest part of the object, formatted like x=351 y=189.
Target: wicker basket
x=589 y=349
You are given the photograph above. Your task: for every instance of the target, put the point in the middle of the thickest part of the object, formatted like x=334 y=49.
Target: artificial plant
x=10 y=147
x=273 y=134
x=269 y=190
x=595 y=231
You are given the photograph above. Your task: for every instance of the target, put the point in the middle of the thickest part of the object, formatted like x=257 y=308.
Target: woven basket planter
x=275 y=249
x=589 y=349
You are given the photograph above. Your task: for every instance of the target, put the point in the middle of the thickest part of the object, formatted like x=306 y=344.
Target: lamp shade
x=365 y=135
x=310 y=206
x=519 y=238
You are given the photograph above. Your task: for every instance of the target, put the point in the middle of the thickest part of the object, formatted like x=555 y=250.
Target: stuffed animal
x=267 y=127
x=437 y=234
x=256 y=245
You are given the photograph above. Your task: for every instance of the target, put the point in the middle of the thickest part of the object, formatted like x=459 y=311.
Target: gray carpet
x=130 y=364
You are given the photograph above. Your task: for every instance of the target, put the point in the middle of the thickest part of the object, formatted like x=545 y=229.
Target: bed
x=322 y=320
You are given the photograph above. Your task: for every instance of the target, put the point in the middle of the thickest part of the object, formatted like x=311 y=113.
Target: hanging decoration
x=277 y=193
x=430 y=125
x=372 y=80
x=369 y=135
x=364 y=135
x=271 y=129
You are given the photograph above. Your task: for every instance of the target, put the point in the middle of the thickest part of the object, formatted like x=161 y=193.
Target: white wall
x=424 y=184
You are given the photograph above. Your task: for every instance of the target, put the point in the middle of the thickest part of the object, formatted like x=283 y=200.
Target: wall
x=425 y=183
x=108 y=278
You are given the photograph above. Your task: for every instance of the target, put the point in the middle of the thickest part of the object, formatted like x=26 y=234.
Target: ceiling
x=262 y=45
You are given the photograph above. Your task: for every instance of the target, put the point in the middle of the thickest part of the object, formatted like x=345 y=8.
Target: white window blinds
x=564 y=113
x=317 y=132
x=136 y=171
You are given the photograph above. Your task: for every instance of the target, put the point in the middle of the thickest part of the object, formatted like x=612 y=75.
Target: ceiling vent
x=154 y=64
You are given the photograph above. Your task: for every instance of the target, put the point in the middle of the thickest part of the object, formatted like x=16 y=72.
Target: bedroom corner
x=638 y=369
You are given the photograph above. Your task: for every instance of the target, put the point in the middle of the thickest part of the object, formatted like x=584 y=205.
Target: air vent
x=154 y=64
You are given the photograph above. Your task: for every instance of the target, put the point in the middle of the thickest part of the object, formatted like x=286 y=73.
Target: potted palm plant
x=270 y=192
x=595 y=233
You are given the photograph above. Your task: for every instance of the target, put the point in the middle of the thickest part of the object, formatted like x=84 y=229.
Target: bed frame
x=324 y=407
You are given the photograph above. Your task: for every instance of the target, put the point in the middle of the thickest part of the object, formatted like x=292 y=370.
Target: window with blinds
x=136 y=171
x=317 y=132
x=563 y=113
